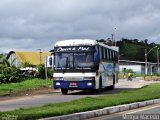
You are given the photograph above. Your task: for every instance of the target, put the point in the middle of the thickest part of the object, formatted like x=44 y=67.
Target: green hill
x=134 y=49
x=135 y=52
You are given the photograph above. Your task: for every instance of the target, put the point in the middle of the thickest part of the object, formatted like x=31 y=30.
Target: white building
x=137 y=66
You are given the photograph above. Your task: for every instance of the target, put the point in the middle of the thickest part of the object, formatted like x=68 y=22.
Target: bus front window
x=83 y=60
x=63 y=60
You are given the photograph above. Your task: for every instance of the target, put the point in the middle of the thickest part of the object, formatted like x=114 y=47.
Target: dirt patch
x=153 y=78
x=28 y=92
x=43 y=90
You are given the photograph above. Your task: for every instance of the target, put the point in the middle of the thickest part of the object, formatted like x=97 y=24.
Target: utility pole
x=146 y=53
x=146 y=69
x=112 y=35
x=40 y=55
x=115 y=35
x=158 y=60
x=46 y=75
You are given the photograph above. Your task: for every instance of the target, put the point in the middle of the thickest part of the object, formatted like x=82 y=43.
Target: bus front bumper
x=74 y=85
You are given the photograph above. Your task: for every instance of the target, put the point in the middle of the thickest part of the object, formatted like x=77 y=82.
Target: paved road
x=145 y=113
x=55 y=97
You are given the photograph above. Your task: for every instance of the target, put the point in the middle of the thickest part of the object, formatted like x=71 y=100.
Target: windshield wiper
x=80 y=68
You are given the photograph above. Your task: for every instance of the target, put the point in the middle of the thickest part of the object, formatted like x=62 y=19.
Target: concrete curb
x=104 y=111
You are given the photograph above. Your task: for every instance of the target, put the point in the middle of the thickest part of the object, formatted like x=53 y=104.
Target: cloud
x=28 y=24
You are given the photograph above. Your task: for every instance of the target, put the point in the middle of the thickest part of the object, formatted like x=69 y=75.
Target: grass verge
x=6 y=89
x=86 y=104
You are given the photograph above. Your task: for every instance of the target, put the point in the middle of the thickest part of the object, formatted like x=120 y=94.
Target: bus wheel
x=64 y=91
x=112 y=86
x=99 y=90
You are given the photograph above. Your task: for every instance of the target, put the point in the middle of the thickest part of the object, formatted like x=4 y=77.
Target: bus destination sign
x=73 y=49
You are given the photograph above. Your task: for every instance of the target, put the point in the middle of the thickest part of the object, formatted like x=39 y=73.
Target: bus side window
x=100 y=53
x=111 y=57
x=114 y=56
x=104 y=53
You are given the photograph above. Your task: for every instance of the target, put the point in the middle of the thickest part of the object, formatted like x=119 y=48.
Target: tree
x=9 y=73
x=146 y=41
x=152 y=44
x=135 y=41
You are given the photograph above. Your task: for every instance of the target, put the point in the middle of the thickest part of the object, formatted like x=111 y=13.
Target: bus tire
x=112 y=86
x=99 y=90
x=64 y=91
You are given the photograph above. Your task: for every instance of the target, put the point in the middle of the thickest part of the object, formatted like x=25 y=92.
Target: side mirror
x=50 y=61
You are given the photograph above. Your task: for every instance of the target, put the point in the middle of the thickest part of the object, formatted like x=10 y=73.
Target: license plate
x=73 y=84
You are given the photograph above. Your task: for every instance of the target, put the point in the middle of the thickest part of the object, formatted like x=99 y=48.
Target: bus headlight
x=89 y=84
x=58 y=83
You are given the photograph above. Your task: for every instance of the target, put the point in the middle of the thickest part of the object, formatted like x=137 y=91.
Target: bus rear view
x=77 y=66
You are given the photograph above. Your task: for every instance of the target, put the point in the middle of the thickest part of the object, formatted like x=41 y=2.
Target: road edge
x=104 y=111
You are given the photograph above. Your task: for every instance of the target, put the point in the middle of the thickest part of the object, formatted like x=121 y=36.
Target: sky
x=28 y=25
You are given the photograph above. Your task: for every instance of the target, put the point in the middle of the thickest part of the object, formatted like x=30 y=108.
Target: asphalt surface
x=56 y=96
x=146 y=113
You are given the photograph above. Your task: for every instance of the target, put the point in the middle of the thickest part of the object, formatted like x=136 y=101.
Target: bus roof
x=115 y=48
x=77 y=42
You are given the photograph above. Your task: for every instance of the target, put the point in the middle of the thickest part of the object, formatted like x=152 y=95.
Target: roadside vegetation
x=86 y=104
x=30 y=84
x=8 y=72
x=11 y=74
x=14 y=80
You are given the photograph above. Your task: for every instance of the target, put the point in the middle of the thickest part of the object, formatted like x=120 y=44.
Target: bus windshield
x=83 y=60
x=74 y=61
x=63 y=60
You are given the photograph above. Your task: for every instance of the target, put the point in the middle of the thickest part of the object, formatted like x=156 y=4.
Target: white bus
x=82 y=64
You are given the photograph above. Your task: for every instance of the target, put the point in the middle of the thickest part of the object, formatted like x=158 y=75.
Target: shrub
x=8 y=72
x=10 y=76
x=27 y=64
x=41 y=72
